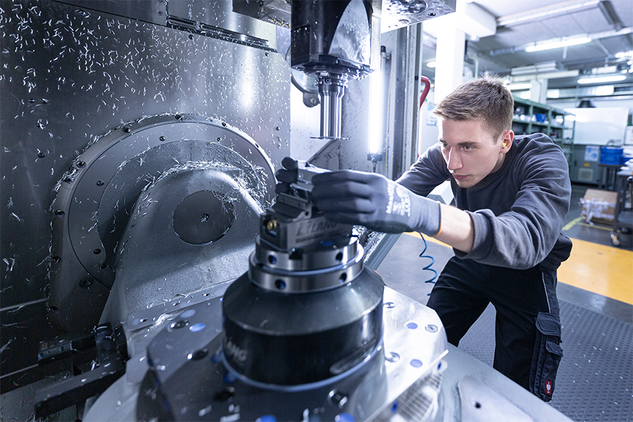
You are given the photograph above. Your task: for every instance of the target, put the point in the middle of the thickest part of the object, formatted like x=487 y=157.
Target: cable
x=428 y=267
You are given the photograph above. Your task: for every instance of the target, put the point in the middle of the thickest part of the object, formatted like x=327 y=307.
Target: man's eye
x=467 y=147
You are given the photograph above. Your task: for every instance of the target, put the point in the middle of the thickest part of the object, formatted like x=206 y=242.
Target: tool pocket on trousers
x=546 y=357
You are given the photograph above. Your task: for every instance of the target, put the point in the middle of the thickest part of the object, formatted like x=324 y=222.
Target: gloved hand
x=374 y=201
x=286 y=175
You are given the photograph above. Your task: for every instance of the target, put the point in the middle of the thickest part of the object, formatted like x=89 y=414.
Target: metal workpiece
x=298 y=250
x=305 y=173
x=287 y=233
x=190 y=378
x=293 y=223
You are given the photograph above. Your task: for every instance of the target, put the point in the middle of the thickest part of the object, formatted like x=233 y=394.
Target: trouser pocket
x=546 y=357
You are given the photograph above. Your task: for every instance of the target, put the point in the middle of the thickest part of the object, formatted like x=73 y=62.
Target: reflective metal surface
x=212 y=18
x=393 y=13
x=274 y=11
x=121 y=401
x=154 y=262
x=401 y=13
x=352 y=38
x=294 y=281
x=331 y=42
x=312 y=258
x=481 y=403
x=331 y=89
x=97 y=197
x=400 y=379
x=71 y=76
x=76 y=71
x=337 y=304
x=469 y=381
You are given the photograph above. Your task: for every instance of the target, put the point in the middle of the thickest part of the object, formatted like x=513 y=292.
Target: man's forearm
x=457 y=228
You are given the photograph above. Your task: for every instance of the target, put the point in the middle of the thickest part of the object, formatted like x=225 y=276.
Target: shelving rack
x=532 y=117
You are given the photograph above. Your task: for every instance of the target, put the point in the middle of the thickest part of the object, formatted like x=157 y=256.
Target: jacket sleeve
x=426 y=173
x=524 y=236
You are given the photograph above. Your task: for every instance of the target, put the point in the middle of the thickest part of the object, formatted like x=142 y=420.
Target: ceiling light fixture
x=519 y=87
x=547 y=12
x=562 y=42
x=431 y=65
x=601 y=79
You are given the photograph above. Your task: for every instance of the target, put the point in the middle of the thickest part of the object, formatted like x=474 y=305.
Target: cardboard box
x=598 y=206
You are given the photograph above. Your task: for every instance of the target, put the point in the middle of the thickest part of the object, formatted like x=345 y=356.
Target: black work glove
x=286 y=175
x=375 y=202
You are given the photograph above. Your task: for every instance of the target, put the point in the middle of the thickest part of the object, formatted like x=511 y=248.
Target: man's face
x=470 y=151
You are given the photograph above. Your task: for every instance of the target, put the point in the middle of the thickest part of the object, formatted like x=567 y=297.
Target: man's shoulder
x=535 y=140
x=537 y=145
x=538 y=154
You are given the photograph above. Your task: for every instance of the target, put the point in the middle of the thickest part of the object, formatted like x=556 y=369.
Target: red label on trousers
x=548 y=387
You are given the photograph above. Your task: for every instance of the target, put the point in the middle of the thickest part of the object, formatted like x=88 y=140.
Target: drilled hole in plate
x=202 y=218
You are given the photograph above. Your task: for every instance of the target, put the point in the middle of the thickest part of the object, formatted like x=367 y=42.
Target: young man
x=511 y=198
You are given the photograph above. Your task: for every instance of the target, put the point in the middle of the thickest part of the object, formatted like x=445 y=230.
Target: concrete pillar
x=451 y=31
x=538 y=91
x=449 y=59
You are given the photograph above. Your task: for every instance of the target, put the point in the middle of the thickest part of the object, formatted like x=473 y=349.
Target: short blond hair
x=486 y=99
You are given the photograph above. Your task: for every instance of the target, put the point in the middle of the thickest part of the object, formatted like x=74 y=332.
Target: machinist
x=511 y=197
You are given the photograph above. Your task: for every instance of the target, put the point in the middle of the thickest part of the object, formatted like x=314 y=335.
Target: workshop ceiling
x=608 y=23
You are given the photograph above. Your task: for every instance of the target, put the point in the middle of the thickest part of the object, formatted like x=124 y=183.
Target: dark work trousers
x=465 y=288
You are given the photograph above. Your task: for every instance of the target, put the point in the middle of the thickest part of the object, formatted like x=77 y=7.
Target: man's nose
x=454 y=161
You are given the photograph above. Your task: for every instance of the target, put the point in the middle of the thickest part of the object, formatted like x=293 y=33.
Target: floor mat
x=595 y=379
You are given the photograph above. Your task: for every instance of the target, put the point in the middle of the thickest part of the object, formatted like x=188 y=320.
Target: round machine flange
x=95 y=197
x=271 y=277
x=324 y=255
x=279 y=339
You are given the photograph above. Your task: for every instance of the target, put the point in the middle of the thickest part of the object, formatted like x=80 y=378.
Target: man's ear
x=507 y=138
